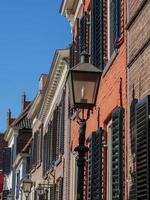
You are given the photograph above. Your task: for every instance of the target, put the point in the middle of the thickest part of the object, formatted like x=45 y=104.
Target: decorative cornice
x=36 y=103
x=55 y=75
x=70 y=9
x=8 y=134
x=19 y=159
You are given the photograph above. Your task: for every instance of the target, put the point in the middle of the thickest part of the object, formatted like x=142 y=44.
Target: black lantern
x=26 y=186
x=84 y=84
x=10 y=197
x=84 y=79
x=40 y=190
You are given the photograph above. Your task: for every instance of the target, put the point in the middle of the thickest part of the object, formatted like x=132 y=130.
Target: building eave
x=8 y=134
x=33 y=110
x=57 y=68
x=69 y=9
x=19 y=159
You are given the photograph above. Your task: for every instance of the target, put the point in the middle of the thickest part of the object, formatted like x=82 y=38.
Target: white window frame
x=74 y=176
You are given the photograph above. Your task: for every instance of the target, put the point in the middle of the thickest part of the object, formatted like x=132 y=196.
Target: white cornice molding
x=58 y=68
x=8 y=134
x=70 y=11
x=34 y=106
x=58 y=93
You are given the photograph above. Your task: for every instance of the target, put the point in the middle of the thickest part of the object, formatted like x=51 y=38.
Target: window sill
x=110 y=62
x=58 y=161
x=32 y=170
x=38 y=165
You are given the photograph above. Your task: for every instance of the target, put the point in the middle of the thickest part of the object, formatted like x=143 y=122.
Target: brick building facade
x=98 y=28
x=50 y=134
x=138 y=48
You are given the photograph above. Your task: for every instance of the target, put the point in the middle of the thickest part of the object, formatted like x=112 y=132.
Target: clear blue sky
x=30 y=31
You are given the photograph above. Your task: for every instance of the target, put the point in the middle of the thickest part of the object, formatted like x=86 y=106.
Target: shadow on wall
x=132 y=171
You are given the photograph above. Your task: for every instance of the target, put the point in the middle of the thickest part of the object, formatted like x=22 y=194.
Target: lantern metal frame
x=43 y=188
x=84 y=69
x=24 y=181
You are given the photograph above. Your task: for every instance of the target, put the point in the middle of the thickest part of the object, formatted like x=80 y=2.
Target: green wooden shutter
x=54 y=136
x=71 y=63
x=95 y=166
x=117 y=18
x=33 y=152
x=78 y=49
x=47 y=150
x=143 y=149
x=60 y=188
x=115 y=23
x=58 y=132
x=49 y=146
x=45 y=155
x=6 y=160
x=84 y=33
x=62 y=124
x=97 y=33
x=117 y=154
x=51 y=141
x=52 y=192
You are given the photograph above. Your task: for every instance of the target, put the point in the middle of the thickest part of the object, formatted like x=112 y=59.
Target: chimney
x=42 y=82
x=9 y=119
x=24 y=102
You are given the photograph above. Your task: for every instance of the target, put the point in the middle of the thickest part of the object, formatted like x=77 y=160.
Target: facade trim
x=131 y=21
x=140 y=51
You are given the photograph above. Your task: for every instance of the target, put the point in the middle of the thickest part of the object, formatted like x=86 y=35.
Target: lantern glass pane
x=27 y=186
x=85 y=87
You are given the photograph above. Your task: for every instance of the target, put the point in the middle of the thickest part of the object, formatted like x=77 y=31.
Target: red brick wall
x=109 y=97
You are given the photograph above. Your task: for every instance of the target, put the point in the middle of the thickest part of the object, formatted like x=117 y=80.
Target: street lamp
x=42 y=191
x=84 y=81
x=10 y=197
x=26 y=186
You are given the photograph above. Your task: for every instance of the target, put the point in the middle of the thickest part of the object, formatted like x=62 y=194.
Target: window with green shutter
x=143 y=149
x=59 y=189
x=114 y=24
x=117 y=154
x=62 y=125
x=97 y=33
x=84 y=33
x=95 y=166
x=52 y=191
x=71 y=63
x=6 y=160
x=78 y=49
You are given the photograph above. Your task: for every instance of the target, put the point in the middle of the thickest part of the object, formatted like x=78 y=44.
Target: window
x=6 y=160
x=113 y=25
x=73 y=176
x=36 y=148
x=97 y=33
x=54 y=137
x=17 y=184
x=95 y=166
x=117 y=154
x=142 y=113
x=59 y=189
x=84 y=33
x=109 y=161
